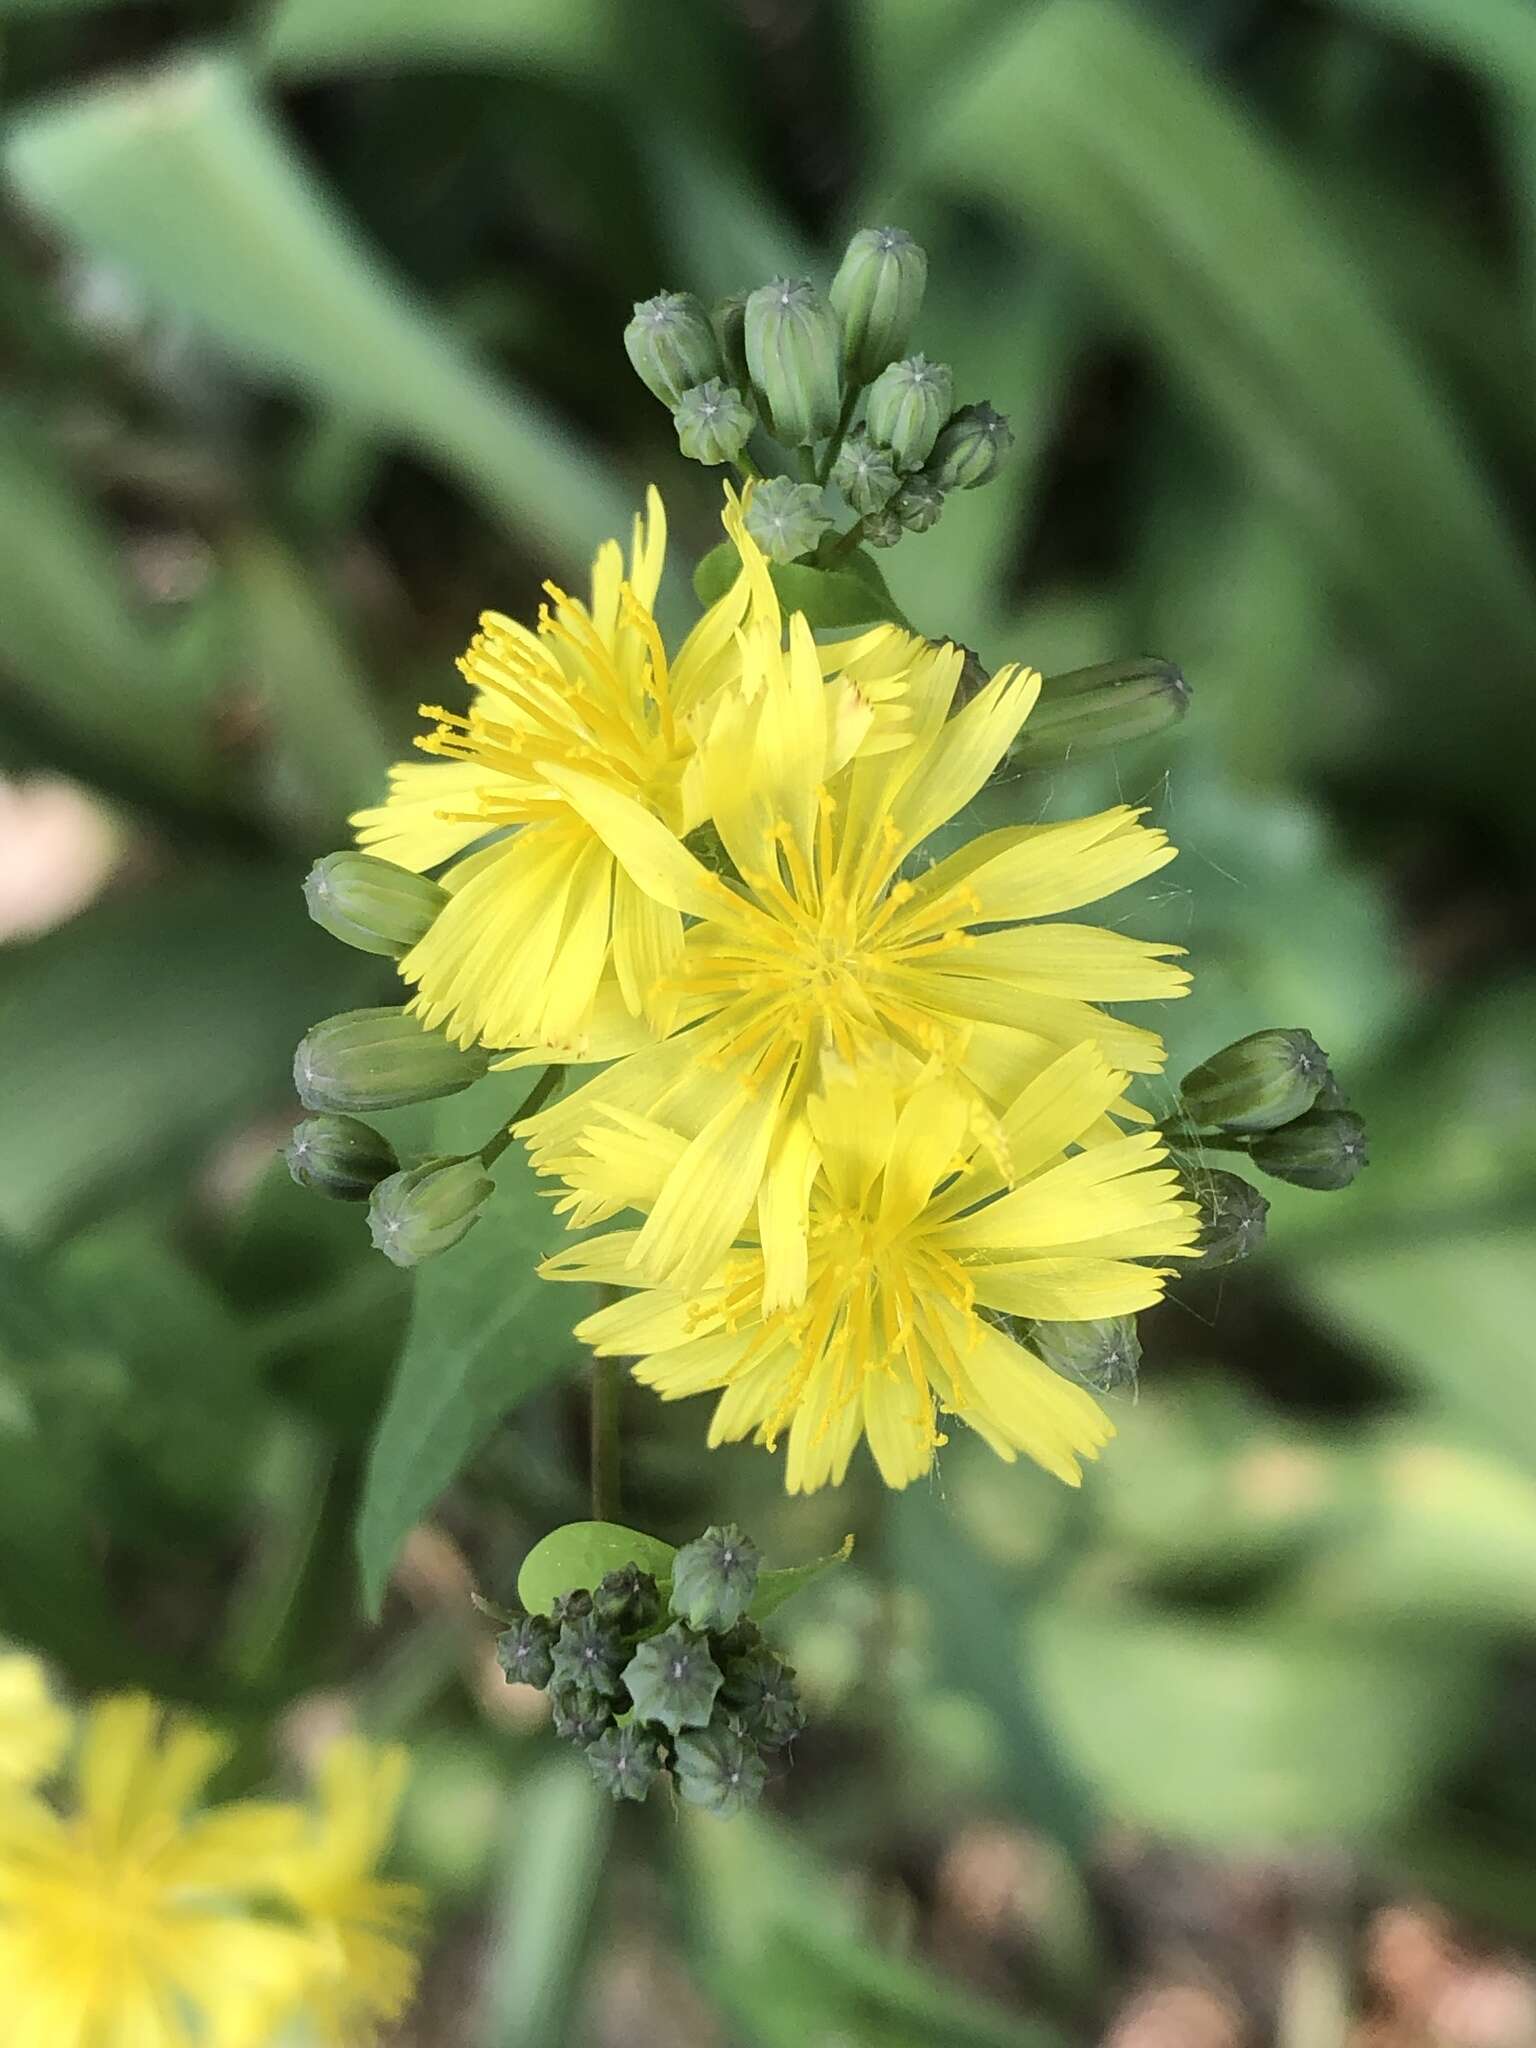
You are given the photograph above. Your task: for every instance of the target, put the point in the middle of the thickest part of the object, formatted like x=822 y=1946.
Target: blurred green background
x=309 y=331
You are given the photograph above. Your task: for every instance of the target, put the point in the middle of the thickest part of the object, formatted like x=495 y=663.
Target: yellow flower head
x=823 y=948
x=548 y=915
x=924 y=1217
x=34 y=1729
x=128 y=1922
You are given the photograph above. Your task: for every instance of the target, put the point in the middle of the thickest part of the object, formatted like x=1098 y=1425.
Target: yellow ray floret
x=824 y=948
x=928 y=1227
x=543 y=912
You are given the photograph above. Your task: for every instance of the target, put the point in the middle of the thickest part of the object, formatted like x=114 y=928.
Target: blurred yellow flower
x=136 y=1920
x=364 y=1969
x=821 y=949
x=127 y=1923
x=928 y=1222
x=34 y=1728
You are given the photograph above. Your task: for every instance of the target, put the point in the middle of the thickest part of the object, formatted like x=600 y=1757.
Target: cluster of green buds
x=1274 y=1098
x=372 y=1060
x=647 y=1686
x=862 y=427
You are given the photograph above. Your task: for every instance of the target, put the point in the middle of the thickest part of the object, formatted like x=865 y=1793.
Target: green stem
x=531 y=1103
x=607 y=1381
x=747 y=468
x=806 y=458
x=844 y=544
x=835 y=445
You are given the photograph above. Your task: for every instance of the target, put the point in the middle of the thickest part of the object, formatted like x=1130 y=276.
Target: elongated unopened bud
x=877 y=295
x=340 y=1157
x=671 y=345
x=372 y=904
x=427 y=1209
x=1325 y=1150
x=380 y=1059
x=1258 y=1083
x=794 y=355
x=908 y=404
x=1107 y=705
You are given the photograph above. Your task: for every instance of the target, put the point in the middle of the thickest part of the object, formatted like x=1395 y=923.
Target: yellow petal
x=1076 y=960
x=411 y=828
x=1069 y=1290
x=652 y=856
x=783 y=1215
x=964 y=754
x=711 y=1190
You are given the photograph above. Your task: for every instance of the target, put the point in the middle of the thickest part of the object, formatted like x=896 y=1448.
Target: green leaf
x=854 y=594
x=144 y=1026
x=182 y=179
x=1065 y=119
x=485 y=1333
x=75 y=644
x=1225 y=1729
x=580 y=1554
x=775 y=1587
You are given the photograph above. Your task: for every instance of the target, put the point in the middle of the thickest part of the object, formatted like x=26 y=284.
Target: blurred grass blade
x=182 y=178
x=326 y=752
x=557 y=1837
x=1086 y=121
x=1496 y=38
x=574 y=39
x=72 y=641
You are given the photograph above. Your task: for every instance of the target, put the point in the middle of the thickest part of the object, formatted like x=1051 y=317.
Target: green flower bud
x=918 y=503
x=730 y=317
x=589 y=1654
x=908 y=404
x=570 y=1606
x=339 y=1157
x=579 y=1716
x=372 y=904
x=719 y=1771
x=877 y=294
x=673 y=1679
x=714 y=1578
x=525 y=1651
x=761 y=1694
x=882 y=529
x=785 y=518
x=1104 y=1355
x=672 y=345
x=380 y=1059
x=739 y=1640
x=794 y=355
x=1259 y=1083
x=628 y=1600
x=427 y=1209
x=1325 y=1149
x=713 y=423
x=970 y=448
x=1102 y=706
x=865 y=473
x=1232 y=1217
x=625 y=1762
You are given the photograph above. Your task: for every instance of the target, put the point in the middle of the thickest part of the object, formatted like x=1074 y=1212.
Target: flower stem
x=607 y=1383
x=844 y=544
x=834 y=446
x=534 y=1100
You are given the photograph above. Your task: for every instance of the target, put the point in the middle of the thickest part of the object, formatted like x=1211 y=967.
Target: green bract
x=794 y=355
x=877 y=294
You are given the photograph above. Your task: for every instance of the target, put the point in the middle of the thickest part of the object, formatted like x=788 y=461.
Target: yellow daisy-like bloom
x=517 y=956
x=34 y=1728
x=128 y=1923
x=923 y=1217
x=823 y=948
x=364 y=1971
